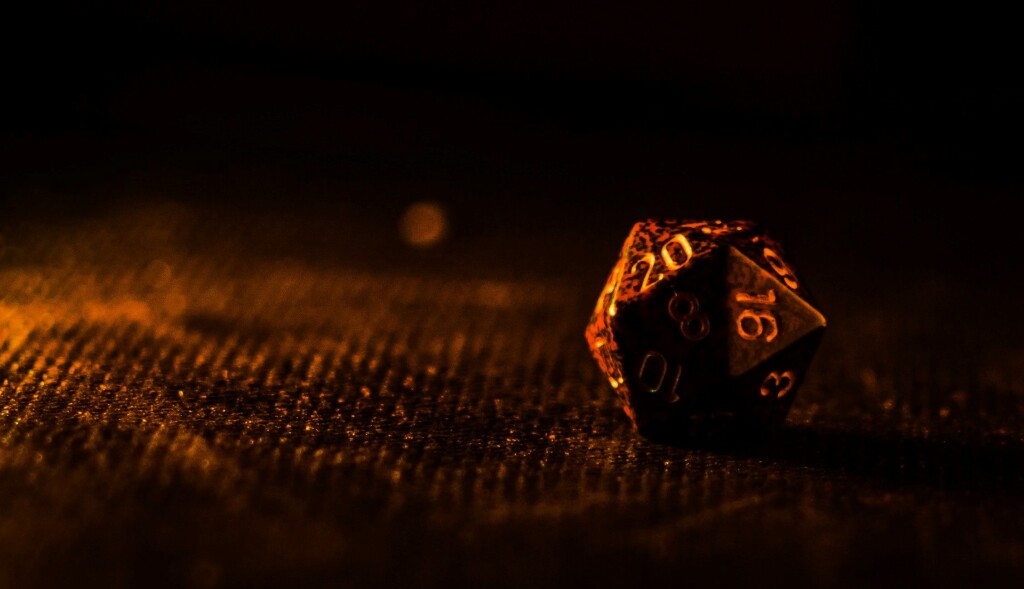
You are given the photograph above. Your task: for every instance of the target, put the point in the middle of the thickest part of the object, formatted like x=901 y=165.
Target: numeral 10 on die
x=658 y=377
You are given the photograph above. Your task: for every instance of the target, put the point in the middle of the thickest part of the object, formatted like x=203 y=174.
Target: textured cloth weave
x=184 y=405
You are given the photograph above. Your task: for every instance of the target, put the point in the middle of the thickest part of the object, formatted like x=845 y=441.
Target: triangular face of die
x=764 y=315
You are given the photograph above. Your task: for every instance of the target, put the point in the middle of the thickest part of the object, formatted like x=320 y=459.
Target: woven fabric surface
x=183 y=406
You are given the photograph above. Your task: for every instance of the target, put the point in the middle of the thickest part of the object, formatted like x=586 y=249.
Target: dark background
x=221 y=365
x=890 y=131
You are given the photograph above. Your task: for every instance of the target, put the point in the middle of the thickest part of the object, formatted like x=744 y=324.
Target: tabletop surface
x=279 y=392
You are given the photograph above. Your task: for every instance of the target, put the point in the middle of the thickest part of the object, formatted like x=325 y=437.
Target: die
x=703 y=325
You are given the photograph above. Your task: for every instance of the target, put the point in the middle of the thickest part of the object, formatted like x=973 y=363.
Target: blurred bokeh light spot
x=424 y=224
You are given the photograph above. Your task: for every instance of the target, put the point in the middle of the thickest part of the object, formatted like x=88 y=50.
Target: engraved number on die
x=675 y=254
x=778 y=383
x=646 y=260
x=780 y=267
x=653 y=370
x=685 y=308
x=682 y=254
x=754 y=323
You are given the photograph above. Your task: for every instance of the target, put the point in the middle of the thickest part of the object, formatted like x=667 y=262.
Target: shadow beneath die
x=985 y=462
